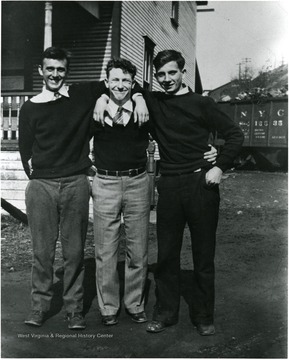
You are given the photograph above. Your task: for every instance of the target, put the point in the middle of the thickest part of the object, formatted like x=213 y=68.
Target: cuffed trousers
x=113 y=196
x=58 y=208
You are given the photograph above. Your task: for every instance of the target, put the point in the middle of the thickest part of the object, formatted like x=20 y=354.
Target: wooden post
x=48 y=25
x=115 y=32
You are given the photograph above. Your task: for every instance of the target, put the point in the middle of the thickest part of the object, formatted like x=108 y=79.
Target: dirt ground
x=251 y=288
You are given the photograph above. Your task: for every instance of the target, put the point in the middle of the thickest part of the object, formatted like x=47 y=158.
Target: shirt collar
x=112 y=108
x=47 y=95
x=183 y=90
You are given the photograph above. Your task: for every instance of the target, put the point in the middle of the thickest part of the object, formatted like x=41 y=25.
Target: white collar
x=47 y=95
x=183 y=90
x=112 y=108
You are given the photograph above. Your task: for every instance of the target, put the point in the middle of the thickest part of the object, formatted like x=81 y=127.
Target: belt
x=183 y=173
x=130 y=172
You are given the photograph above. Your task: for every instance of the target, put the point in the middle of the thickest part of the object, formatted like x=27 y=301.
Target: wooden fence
x=10 y=107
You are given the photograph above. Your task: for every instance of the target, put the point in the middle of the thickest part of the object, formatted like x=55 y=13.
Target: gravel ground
x=251 y=288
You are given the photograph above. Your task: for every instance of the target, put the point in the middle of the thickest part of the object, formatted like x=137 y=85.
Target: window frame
x=175 y=13
x=149 y=46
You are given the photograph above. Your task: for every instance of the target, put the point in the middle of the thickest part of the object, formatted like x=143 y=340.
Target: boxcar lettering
x=261 y=113
x=280 y=112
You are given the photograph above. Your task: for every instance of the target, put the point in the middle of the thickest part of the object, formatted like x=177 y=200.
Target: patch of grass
x=16 y=247
x=15 y=244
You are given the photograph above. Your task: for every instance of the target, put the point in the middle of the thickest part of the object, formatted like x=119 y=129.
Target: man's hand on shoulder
x=141 y=113
x=214 y=176
x=100 y=108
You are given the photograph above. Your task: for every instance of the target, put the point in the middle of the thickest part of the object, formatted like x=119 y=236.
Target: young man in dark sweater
x=54 y=134
x=188 y=190
x=120 y=188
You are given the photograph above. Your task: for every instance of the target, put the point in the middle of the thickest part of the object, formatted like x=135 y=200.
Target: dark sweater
x=181 y=126
x=120 y=147
x=56 y=134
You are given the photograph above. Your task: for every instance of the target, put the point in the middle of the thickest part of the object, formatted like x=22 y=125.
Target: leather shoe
x=76 y=321
x=109 y=320
x=155 y=326
x=35 y=318
x=206 y=330
x=139 y=317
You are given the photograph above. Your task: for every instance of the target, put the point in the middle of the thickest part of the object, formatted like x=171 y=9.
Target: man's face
x=170 y=77
x=54 y=73
x=119 y=85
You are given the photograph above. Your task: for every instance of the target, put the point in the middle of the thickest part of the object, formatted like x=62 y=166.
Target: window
x=175 y=13
x=149 y=46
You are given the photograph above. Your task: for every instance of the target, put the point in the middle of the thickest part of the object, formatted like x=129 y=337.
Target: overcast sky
x=236 y=30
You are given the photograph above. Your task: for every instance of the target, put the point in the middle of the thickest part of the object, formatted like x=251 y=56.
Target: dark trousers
x=186 y=199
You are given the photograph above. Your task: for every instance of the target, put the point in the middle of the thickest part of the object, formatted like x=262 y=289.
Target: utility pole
x=239 y=64
x=246 y=61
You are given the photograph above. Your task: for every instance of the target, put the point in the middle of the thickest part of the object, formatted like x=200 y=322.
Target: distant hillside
x=273 y=83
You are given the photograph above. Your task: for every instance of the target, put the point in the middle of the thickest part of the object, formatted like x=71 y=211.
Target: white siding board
x=140 y=18
x=10 y=185
x=11 y=165
x=12 y=194
x=13 y=175
x=10 y=155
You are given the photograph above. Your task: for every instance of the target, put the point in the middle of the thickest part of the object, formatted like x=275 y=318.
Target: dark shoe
x=109 y=320
x=156 y=326
x=206 y=330
x=76 y=321
x=139 y=317
x=35 y=318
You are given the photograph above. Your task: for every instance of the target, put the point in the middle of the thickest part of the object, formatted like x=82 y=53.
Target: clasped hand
x=214 y=176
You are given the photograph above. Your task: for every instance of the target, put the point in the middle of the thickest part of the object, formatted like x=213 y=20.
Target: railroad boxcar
x=264 y=123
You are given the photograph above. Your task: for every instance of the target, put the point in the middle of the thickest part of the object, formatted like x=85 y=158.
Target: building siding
x=153 y=19
x=88 y=39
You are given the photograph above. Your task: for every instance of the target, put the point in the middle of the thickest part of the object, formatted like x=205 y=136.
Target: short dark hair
x=119 y=63
x=56 y=53
x=165 y=56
